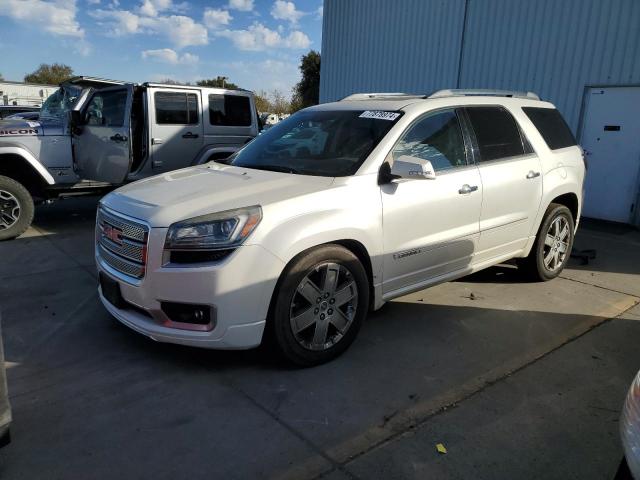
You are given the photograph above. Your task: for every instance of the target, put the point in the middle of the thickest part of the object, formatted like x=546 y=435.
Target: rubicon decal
x=19 y=131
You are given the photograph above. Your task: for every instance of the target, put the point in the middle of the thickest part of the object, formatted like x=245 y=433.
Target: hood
x=17 y=127
x=182 y=194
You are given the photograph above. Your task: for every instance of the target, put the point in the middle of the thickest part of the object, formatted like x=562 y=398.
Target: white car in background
x=630 y=433
x=402 y=192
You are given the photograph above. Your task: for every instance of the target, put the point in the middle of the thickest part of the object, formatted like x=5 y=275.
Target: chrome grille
x=122 y=243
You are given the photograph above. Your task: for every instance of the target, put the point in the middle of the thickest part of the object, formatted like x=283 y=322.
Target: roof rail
x=373 y=96
x=483 y=93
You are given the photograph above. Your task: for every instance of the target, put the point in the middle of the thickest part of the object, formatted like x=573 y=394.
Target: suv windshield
x=322 y=143
x=59 y=102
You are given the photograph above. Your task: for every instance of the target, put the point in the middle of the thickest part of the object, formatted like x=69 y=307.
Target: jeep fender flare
x=29 y=158
x=210 y=151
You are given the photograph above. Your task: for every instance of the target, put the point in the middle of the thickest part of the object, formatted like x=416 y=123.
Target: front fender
x=27 y=156
x=309 y=230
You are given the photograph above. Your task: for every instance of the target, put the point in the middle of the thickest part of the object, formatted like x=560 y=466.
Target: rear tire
x=552 y=248
x=16 y=208
x=320 y=304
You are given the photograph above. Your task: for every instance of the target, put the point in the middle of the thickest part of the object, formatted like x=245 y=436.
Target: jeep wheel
x=552 y=248
x=16 y=209
x=320 y=305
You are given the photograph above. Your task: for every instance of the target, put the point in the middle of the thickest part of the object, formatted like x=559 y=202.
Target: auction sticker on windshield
x=380 y=115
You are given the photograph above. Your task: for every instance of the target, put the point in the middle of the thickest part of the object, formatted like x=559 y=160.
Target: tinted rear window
x=497 y=133
x=229 y=110
x=552 y=127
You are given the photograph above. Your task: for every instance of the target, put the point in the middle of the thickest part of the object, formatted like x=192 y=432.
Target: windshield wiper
x=273 y=168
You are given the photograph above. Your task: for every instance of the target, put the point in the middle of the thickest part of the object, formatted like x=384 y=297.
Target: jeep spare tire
x=16 y=208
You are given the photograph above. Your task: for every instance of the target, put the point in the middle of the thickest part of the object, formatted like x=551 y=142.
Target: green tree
x=279 y=103
x=171 y=81
x=218 y=82
x=263 y=104
x=307 y=90
x=50 y=74
x=1 y=77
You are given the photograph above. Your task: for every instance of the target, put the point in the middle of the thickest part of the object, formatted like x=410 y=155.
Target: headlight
x=214 y=231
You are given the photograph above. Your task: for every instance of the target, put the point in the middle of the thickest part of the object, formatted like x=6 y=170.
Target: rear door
x=102 y=143
x=176 y=128
x=611 y=140
x=511 y=182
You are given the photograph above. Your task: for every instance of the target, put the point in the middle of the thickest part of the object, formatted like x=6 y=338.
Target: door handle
x=156 y=141
x=118 y=138
x=532 y=174
x=466 y=188
x=190 y=135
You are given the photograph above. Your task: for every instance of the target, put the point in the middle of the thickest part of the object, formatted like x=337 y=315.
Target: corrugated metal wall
x=384 y=46
x=552 y=47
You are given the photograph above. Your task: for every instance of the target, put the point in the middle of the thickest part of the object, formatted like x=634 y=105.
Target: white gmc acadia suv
x=334 y=211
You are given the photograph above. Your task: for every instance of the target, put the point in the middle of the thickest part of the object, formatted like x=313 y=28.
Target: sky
x=257 y=44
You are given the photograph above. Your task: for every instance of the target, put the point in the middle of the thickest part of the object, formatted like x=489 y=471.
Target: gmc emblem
x=112 y=233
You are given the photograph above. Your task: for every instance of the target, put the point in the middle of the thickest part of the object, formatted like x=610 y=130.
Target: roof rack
x=373 y=96
x=483 y=93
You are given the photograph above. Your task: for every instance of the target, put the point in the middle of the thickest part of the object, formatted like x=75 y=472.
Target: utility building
x=24 y=94
x=582 y=55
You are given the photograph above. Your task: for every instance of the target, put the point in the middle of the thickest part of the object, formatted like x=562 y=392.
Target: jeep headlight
x=214 y=231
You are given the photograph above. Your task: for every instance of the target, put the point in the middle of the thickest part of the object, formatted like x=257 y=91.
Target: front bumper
x=238 y=289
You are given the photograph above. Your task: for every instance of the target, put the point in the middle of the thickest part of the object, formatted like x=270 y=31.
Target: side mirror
x=413 y=168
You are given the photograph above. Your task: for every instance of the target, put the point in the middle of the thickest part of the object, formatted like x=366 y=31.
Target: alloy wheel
x=9 y=210
x=556 y=243
x=324 y=306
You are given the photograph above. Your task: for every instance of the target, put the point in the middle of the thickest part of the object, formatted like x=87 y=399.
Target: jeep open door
x=102 y=136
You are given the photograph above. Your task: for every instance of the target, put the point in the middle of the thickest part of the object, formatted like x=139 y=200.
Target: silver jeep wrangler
x=94 y=134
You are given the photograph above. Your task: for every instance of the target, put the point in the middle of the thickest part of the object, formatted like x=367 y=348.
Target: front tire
x=552 y=248
x=16 y=208
x=320 y=305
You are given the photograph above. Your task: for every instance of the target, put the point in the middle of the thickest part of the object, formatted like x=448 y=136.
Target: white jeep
x=404 y=192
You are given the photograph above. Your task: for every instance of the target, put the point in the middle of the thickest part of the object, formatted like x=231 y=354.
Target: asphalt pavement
x=514 y=379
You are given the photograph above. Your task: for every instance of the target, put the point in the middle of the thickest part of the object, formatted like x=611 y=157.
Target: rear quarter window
x=554 y=130
x=229 y=110
x=496 y=132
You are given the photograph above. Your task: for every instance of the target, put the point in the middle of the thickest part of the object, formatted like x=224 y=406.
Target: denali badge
x=407 y=253
x=112 y=233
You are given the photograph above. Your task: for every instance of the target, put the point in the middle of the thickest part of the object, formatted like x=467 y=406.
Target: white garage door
x=611 y=139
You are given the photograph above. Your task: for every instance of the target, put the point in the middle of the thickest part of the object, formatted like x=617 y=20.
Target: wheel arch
x=563 y=196
x=569 y=200
x=214 y=152
x=352 y=245
x=20 y=165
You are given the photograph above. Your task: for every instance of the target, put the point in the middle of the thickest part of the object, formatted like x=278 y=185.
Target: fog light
x=187 y=313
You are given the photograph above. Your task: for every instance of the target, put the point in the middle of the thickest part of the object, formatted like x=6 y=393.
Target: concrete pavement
x=93 y=399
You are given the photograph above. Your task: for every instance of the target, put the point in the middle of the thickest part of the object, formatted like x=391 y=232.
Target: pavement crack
x=599 y=286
